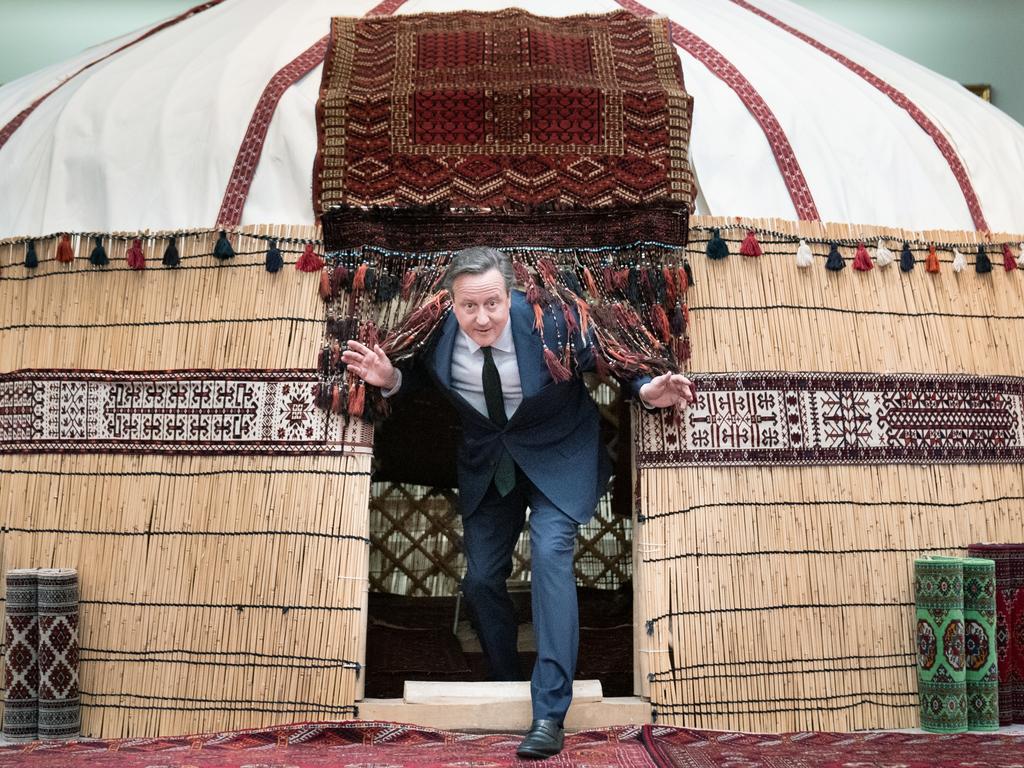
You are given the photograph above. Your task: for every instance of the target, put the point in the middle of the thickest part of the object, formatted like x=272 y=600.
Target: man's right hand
x=371 y=365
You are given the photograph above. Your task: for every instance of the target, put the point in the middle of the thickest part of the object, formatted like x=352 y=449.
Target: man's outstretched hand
x=371 y=365
x=668 y=390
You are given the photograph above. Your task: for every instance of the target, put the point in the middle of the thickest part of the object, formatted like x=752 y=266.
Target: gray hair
x=476 y=261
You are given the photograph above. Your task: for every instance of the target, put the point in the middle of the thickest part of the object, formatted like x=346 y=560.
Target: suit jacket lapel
x=444 y=349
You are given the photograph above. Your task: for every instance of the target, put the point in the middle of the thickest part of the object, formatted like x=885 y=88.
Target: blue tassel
x=98 y=257
x=31 y=260
x=274 y=259
x=717 y=248
x=171 y=256
x=906 y=258
x=835 y=261
x=223 y=250
x=983 y=263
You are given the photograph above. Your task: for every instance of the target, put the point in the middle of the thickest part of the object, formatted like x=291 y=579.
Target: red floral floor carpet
x=683 y=747
x=364 y=744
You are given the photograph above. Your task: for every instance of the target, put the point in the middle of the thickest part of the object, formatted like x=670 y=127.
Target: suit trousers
x=490 y=534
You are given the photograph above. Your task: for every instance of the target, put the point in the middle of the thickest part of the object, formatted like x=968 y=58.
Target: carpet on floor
x=330 y=745
x=689 y=748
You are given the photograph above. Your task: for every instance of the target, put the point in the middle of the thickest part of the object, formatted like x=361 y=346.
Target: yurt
x=210 y=524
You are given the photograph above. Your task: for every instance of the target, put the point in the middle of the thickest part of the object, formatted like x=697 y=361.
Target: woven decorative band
x=188 y=411
x=849 y=418
x=417 y=230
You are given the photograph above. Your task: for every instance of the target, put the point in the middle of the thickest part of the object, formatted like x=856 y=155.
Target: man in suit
x=528 y=441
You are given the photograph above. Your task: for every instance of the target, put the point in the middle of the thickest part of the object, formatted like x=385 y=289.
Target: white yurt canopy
x=794 y=117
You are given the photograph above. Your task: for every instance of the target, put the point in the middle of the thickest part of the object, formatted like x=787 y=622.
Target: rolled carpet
x=980 y=644
x=60 y=715
x=1009 y=560
x=941 y=674
x=21 y=661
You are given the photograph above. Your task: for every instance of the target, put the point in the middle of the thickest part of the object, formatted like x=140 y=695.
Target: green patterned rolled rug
x=941 y=674
x=21 y=665
x=980 y=644
x=59 y=713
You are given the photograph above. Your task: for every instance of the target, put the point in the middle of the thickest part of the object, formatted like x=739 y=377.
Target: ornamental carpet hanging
x=562 y=141
x=500 y=112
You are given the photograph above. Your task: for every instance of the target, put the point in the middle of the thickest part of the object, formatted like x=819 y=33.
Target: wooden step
x=504 y=715
x=426 y=692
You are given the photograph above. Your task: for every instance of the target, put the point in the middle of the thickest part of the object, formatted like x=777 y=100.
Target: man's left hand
x=668 y=390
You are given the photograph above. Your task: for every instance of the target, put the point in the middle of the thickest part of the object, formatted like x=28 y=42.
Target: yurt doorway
x=418 y=628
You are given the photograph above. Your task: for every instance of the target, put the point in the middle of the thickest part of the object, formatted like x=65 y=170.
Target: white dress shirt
x=468 y=370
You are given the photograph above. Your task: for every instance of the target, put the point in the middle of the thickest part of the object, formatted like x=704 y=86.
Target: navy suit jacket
x=554 y=435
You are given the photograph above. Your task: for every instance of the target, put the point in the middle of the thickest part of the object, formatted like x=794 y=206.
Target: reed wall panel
x=217 y=591
x=780 y=598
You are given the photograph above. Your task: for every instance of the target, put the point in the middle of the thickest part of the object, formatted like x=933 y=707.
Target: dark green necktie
x=505 y=472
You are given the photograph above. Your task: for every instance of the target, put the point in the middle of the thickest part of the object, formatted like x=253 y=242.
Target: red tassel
x=335 y=398
x=601 y=365
x=931 y=263
x=609 y=278
x=408 y=280
x=533 y=293
x=356 y=397
x=339 y=276
x=547 y=271
x=584 y=310
x=522 y=273
x=861 y=260
x=750 y=246
x=370 y=335
x=660 y=321
x=558 y=371
x=682 y=280
x=1008 y=261
x=678 y=324
x=359 y=280
x=538 y=317
x=326 y=289
x=136 y=258
x=670 y=286
x=571 y=326
x=65 y=253
x=686 y=316
x=622 y=279
x=588 y=278
x=309 y=261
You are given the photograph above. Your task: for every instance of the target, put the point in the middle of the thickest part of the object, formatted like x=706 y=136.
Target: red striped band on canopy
x=248 y=157
x=901 y=100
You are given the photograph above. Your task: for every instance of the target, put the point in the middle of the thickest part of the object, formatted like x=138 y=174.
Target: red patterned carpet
x=330 y=745
x=687 y=748
x=365 y=744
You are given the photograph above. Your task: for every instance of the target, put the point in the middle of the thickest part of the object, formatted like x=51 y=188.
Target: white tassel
x=1020 y=257
x=959 y=261
x=804 y=257
x=883 y=256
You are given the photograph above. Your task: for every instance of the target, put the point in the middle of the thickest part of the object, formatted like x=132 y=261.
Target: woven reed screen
x=217 y=591
x=780 y=597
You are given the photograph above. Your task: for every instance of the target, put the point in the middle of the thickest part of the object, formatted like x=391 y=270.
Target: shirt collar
x=503 y=342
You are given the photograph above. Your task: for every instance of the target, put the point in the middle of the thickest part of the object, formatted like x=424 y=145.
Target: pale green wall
x=972 y=41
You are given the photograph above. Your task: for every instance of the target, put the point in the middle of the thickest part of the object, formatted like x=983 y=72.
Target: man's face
x=481 y=305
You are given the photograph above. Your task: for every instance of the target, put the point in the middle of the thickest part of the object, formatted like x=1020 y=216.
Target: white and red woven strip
x=726 y=71
x=901 y=100
x=244 y=170
x=8 y=130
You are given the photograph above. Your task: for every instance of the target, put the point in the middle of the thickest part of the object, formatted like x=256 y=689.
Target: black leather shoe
x=543 y=740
